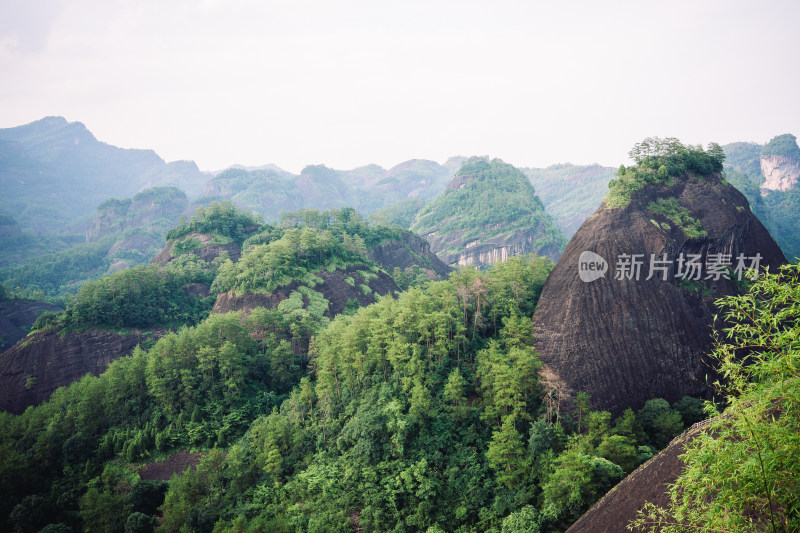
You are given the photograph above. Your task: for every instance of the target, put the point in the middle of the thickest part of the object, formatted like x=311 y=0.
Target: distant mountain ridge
x=53 y=172
x=767 y=175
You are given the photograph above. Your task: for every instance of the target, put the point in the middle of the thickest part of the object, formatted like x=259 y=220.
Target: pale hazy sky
x=347 y=83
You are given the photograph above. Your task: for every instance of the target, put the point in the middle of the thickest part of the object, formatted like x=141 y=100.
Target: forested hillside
x=489 y=212
x=421 y=412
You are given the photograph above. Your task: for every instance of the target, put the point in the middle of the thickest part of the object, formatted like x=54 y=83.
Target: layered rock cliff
x=627 y=340
x=488 y=213
x=780 y=164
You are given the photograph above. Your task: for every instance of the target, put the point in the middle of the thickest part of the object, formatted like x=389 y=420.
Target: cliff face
x=458 y=248
x=405 y=253
x=781 y=173
x=625 y=341
x=32 y=370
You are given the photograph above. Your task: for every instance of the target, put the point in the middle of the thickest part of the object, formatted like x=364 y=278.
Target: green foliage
x=658 y=161
x=670 y=208
x=494 y=198
x=423 y=411
x=660 y=422
x=400 y=213
x=742 y=471
x=218 y=218
x=55 y=274
x=140 y=297
x=783 y=145
x=570 y=193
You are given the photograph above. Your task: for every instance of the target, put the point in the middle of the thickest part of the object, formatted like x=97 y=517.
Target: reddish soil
x=175 y=464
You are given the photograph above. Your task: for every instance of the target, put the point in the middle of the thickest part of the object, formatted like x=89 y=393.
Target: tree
x=743 y=472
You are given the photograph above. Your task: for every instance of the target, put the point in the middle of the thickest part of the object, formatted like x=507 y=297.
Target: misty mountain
x=54 y=172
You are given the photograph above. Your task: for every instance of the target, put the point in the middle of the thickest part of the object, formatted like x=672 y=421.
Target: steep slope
x=488 y=213
x=570 y=193
x=53 y=172
x=648 y=483
x=627 y=340
x=407 y=251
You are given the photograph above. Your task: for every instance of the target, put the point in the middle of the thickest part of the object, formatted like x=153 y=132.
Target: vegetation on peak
x=784 y=145
x=293 y=256
x=658 y=161
x=426 y=410
x=221 y=218
x=492 y=198
x=160 y=195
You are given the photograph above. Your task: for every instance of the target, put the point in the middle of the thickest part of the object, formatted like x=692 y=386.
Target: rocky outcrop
x=33 y=369
x=781 y=173
x=482 y=251
x=16 y=318
x=407 y=252
x=338 y=287
x=625 y=341
x=648 y=483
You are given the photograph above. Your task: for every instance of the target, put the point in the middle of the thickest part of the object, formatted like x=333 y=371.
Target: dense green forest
x=423 y=412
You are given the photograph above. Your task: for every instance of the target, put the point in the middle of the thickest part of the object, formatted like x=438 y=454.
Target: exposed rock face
x=648 y=483
x=207 y=252
x=488 y=251
x=334 y=287
x=411 y=250
x=32 y=370
x=781 y=173
x=625 y=341
x=16 y=318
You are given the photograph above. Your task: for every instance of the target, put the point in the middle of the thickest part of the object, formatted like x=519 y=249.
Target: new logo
x=591 y=266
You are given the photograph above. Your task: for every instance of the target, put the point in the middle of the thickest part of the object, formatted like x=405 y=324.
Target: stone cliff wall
x=781 y=173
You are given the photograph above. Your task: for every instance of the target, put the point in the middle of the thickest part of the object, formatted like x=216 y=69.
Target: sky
x=348 y=83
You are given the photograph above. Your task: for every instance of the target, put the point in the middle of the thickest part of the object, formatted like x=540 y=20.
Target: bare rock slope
x=32 y=370
x=625 y=341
